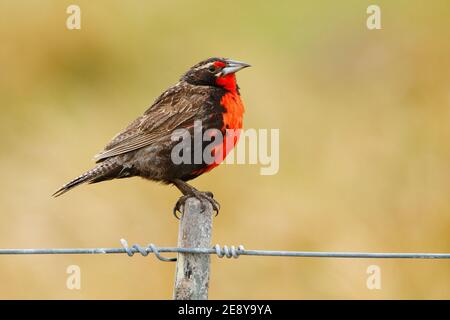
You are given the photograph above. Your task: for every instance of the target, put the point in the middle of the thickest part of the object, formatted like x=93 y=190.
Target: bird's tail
x=103 y=171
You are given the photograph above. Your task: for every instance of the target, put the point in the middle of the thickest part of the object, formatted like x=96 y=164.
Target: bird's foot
x=204 y=197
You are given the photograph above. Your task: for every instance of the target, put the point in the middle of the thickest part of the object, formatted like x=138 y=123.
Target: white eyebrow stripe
x=205 y=66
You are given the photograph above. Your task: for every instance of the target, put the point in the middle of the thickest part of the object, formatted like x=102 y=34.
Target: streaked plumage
x=144 y=147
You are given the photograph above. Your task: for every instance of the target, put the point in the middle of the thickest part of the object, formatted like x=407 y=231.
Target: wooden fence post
x=192 y=270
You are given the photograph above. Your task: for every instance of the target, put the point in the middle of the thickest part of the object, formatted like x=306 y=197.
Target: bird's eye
x=212 y=68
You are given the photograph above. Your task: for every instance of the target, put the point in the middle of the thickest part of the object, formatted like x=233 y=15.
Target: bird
x=207 y=94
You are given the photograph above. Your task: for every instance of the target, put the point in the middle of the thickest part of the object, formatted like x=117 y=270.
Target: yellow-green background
x=364 y=123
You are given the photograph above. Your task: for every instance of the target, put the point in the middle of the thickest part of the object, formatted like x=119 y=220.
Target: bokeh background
x=364 y=144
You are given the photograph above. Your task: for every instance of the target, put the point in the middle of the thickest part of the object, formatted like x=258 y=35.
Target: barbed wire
x=225 y=251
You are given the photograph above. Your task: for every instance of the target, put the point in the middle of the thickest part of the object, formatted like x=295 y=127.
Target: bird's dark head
x=215 y=72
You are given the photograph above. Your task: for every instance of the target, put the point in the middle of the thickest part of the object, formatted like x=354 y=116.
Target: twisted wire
x=221 y=252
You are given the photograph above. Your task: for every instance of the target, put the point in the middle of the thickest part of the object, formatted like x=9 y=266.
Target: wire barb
x=144 y=251
x=229 y=253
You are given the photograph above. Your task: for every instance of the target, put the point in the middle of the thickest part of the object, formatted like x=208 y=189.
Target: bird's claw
x=179 y=206
x=202 y=196
x=209 y=197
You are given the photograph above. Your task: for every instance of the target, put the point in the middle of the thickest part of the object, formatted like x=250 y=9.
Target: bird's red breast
x=232 y=120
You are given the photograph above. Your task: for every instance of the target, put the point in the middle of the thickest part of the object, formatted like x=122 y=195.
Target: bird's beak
x=233 y=66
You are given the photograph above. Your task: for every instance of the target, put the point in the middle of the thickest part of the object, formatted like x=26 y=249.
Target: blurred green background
x=364 y=127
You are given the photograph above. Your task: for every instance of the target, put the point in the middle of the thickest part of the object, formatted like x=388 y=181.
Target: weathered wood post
x=192 y=271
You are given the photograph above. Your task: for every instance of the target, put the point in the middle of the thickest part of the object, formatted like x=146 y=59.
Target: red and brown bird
x=208 y=94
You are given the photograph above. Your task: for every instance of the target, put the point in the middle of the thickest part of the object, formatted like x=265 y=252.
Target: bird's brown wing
x=172 y=110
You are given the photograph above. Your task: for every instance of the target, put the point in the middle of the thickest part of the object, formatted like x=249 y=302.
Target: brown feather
x=169 y=112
